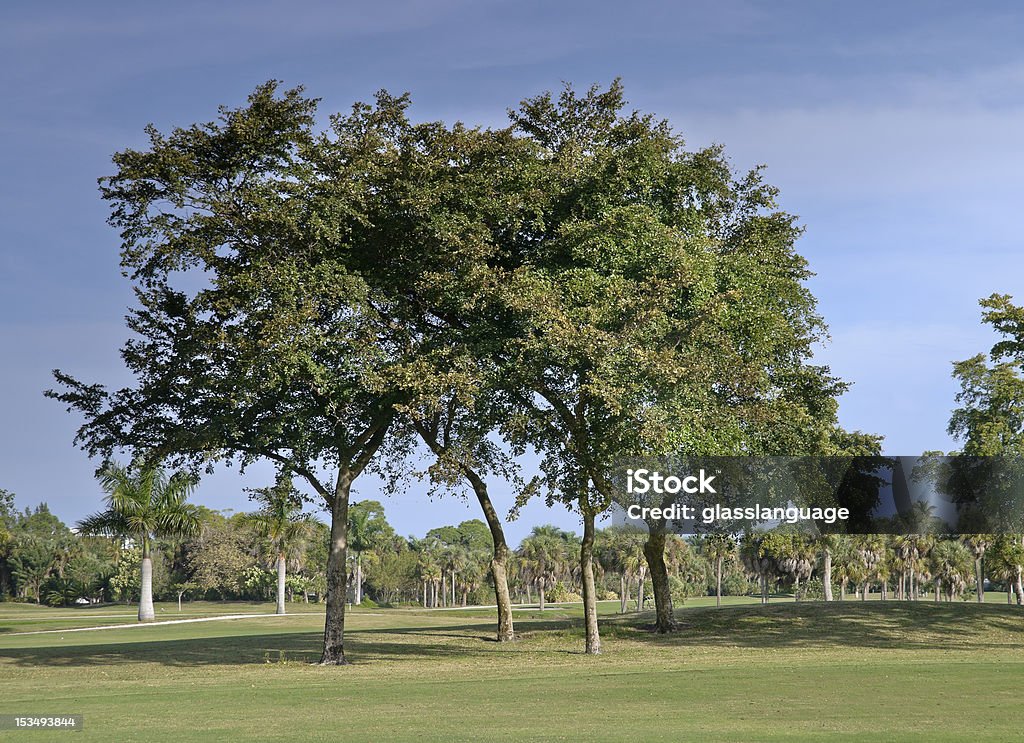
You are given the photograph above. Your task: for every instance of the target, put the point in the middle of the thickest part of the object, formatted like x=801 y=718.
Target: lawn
x=866 y=670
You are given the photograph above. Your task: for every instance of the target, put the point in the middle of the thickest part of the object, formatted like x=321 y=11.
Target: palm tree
x=144 y=504
x=543 y=557
x=978 y=544
x=718 y=548
x=281 y=522
x=367 y=527
x=952 y=565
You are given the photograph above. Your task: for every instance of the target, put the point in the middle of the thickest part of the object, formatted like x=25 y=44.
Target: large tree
x=255 y=333
x=144 y=504
x=654 y=304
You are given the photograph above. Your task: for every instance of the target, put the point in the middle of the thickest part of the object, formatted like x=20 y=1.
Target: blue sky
x=893 y=132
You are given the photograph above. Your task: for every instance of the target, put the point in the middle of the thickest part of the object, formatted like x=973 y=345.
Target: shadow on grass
x=888 y=625
x=363 y=646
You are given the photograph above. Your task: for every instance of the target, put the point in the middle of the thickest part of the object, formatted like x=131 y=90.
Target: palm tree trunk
x=826 y=577
x=337 y=573
x=1020 y=586
x=979 y=579
x=938 y=589
x=540 y=590
x=146 y=612
x=640 y=592
x=623 y=593
x=718 y=581
x=280 y=582
x=358 y=588
x=654 y=553
x=593 y=643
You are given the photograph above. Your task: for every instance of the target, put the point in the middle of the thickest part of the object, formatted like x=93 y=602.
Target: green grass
x=862 y=671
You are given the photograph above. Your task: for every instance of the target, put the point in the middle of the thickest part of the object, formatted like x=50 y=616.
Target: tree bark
x=1020 y=586
x=654 y=552
x=827 y=574
x=280 y=582
x=979 y=577
x=540 y=590
x=337 y=574
x=593 y=643
x=146 y=612
x=358 y=587
x=718 y=581
x=623 y=593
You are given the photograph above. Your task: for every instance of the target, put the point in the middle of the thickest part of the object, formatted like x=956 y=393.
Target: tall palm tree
x=367 y=528
x=144 y=504
x=718 y=548
x=978 y=544
x=281 y=522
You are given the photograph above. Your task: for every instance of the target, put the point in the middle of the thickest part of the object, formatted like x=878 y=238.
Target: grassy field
x=866 y=671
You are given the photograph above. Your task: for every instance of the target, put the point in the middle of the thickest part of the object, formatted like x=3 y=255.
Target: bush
x=559 y=594
x=368 y=603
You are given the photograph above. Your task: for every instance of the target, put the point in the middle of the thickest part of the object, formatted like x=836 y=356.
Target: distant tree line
x=44 y=561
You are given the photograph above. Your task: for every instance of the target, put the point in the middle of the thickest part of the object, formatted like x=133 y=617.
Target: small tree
x=144 y=504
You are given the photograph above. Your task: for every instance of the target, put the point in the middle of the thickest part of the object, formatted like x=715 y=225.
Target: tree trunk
x=337 y=574
x=654 y=552
x=540 y=590
x=357 y=591
x=827 y=574
x=593 y=644
x=146 y=613
x=938 y=588
x=979 y=578
x=623 y=593
x=280 y=582
x=499 y=559
x=1020 y=586
x=718 y=581
x=640 y=592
